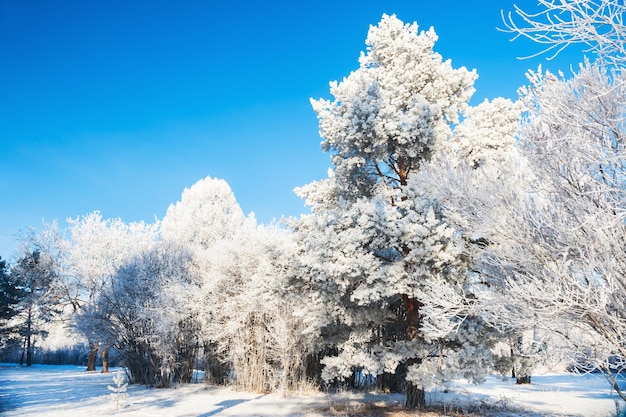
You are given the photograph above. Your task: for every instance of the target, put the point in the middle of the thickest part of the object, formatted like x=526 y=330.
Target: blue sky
x=119 y=105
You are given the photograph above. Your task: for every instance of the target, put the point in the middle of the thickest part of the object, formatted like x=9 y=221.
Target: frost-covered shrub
x=250 y=334
x=149 y=319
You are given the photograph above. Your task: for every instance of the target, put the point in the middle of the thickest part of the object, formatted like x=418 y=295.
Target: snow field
x=68 y=391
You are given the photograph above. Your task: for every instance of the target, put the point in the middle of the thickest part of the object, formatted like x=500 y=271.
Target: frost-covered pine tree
x=36 y=277
x=383 y=273
x=118 y=391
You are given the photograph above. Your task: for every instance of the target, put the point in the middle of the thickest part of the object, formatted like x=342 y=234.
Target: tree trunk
x=105 y=360
x=29 y=322
x=512 y=360
x=313 y=366
x=23 y=352
x=29 y=357
x=521 y=365
x=392 y=382
x=415 y=397
x=93 y=354
x=216 y=371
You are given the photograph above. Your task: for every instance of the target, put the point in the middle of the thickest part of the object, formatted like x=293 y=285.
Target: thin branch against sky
x=556 y=25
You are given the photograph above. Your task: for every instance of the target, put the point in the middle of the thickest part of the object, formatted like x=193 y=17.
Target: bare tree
x=554 y=227
x=96 y=250
x=145 y=313
x=598 y=24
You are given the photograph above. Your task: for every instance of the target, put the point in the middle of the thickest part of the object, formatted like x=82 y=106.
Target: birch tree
x=555 y=227
x=574 y=219
x=96 y=249
x=481 y=173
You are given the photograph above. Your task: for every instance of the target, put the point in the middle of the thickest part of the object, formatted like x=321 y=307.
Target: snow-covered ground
x=70 y=391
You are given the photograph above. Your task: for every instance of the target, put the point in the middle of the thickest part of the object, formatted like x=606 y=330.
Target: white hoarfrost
x=206 y=213
x=384 y=273
x=248 y=332
x=551 y=231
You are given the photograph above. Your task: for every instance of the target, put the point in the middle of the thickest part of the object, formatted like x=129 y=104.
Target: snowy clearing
x=67 y=391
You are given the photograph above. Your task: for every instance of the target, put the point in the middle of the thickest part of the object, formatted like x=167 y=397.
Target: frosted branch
x=598 y=24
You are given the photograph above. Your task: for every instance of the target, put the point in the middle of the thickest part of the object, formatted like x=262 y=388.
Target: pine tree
x=35 y=276
x=10 y=296
x=384 y=272
x=118 y=391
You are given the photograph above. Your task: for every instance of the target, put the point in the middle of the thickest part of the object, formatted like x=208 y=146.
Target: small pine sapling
x=118 y=392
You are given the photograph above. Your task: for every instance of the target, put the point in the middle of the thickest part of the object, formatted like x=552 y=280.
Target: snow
x=67 y=391
x=551 y=394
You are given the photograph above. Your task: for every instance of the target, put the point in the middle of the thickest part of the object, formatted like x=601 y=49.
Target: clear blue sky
x=119 y=105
